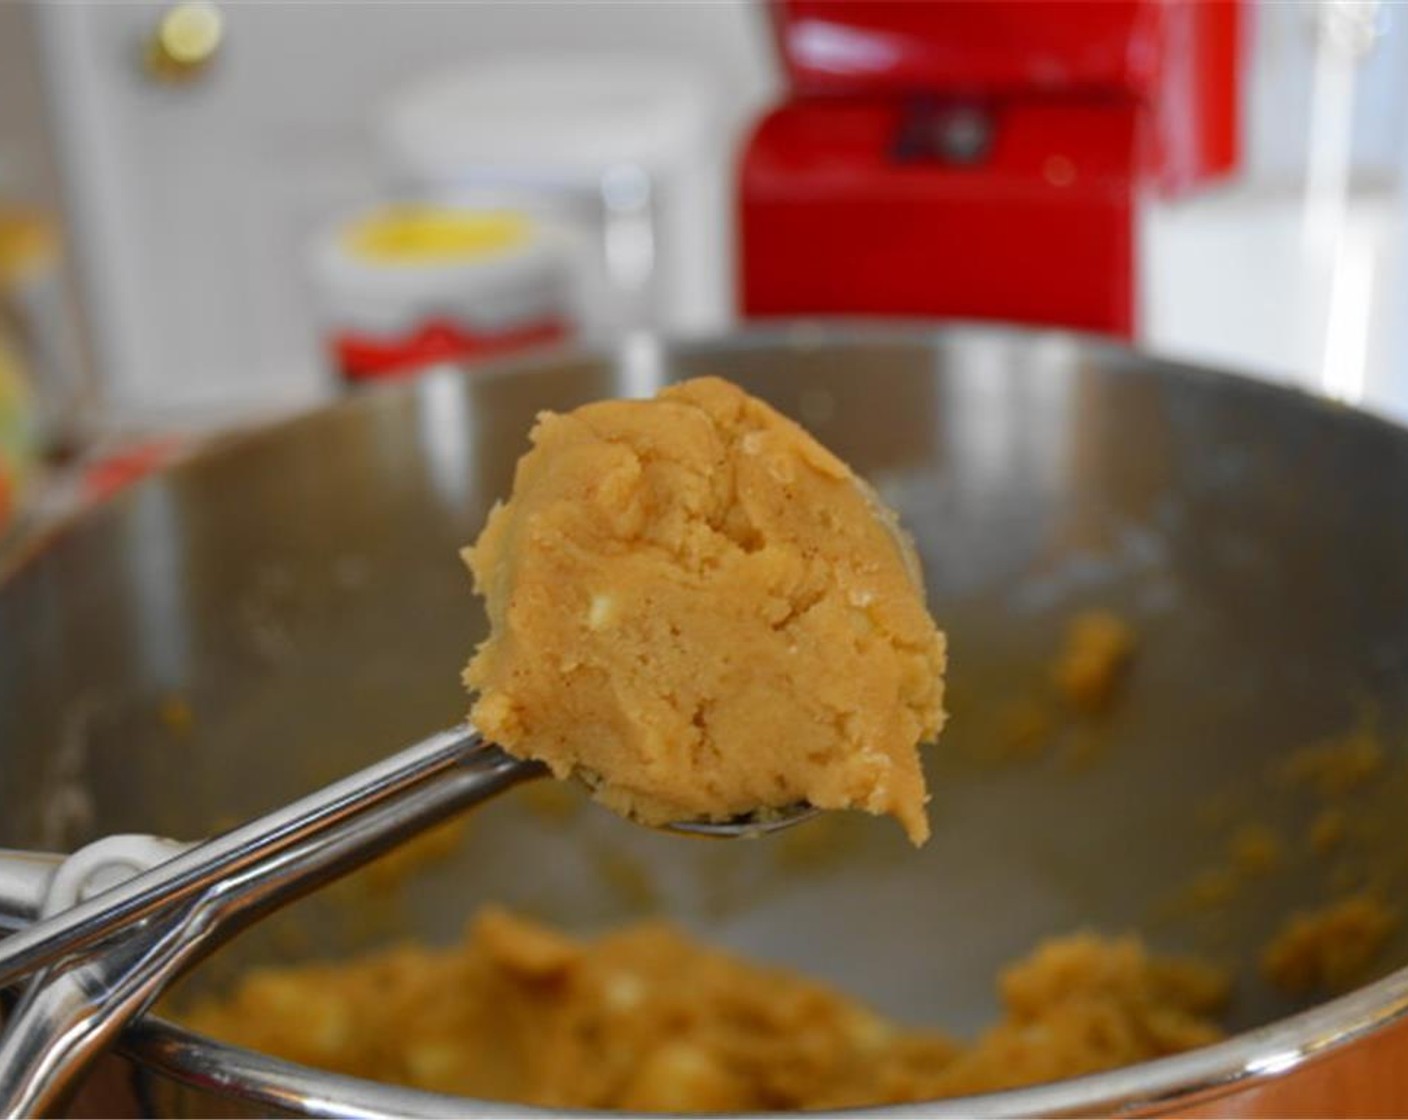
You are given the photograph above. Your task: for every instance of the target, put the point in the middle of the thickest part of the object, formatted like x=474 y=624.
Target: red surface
x=1087 y=102
x=1178 y=58
x=365 y=358
x=890 y=47
x=1041 y=231
x=1195 y=110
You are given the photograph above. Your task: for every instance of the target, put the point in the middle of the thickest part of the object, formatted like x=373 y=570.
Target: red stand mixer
x=980 y=158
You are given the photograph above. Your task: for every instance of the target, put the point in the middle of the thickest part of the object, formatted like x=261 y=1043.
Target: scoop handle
x=204 y=865
x=78 y=1001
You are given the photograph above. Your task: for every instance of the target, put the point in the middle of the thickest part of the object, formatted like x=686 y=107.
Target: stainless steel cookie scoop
x=101 y=933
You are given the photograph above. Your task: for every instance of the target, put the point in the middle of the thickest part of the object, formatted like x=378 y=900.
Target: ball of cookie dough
x=702 y=612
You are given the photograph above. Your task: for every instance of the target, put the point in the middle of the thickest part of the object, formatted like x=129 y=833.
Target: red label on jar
x=367 y=358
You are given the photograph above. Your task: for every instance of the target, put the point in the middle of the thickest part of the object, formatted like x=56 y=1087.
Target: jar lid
x=433 y=236
x=388 y=268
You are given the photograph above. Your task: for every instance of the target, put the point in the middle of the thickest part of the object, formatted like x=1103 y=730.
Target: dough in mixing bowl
x=1090 y=667
x=1330 y=948
x=702 y=612
x=646 y=1018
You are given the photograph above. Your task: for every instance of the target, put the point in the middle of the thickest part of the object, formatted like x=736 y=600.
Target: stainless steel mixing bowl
x=282 y=610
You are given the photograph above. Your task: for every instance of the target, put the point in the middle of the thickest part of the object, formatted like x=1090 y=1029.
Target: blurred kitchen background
x=212 y=213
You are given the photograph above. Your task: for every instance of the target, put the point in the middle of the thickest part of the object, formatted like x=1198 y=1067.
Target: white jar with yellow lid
x=403 y=285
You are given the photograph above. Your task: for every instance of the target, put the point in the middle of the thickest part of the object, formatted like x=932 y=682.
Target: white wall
x=1278 y=92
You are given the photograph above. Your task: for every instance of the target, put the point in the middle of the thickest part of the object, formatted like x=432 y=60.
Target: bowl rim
x=162 y=1047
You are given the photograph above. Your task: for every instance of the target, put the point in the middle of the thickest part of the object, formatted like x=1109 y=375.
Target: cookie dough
x=1092 y=663
x=646 y=1019
x=1328 y=949
x=702 y=612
